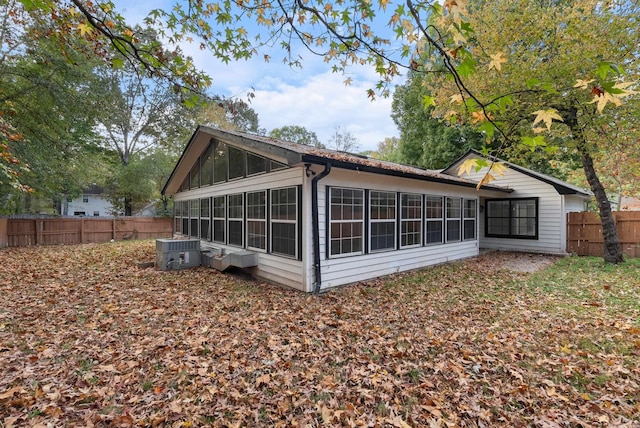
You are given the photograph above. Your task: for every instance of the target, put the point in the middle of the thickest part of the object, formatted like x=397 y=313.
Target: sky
x=312 y=96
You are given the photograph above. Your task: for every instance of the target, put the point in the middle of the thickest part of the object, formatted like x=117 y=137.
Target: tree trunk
x=128 y=210
x=612 y=248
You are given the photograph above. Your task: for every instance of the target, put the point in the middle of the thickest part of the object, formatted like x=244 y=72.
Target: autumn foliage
x=87 y=338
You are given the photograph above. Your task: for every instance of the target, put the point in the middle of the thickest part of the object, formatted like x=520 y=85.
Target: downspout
x=316 y=226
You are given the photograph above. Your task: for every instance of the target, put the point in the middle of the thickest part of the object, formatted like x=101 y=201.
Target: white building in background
x=92 y=203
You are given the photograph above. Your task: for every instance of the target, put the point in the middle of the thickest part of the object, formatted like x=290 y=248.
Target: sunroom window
x=219 y=219
x=410 y=220
x=235 y=219
x=284 y=221
x=205 y=219
x=454 y=213
x=434 y=219
x=469 y=219
x=194 y=217
x=257 y=220
x=382 y=221
x=346 y=221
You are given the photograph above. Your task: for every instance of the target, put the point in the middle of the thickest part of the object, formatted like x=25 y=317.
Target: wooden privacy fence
x=21 y=232
x=584 y=233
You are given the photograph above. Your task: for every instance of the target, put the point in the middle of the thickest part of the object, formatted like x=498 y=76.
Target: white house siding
x=96 y=205
x=283 y=270
x=573 y=203
x=551 y=226
x=349 y=269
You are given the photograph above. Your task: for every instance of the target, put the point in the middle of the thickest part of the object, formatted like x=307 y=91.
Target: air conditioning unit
x=174 y=254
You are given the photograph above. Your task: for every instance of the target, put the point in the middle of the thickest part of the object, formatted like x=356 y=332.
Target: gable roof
x=562 y=187
x=293 y=154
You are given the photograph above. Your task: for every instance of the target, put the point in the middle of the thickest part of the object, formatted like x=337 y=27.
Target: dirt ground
x=520 y=262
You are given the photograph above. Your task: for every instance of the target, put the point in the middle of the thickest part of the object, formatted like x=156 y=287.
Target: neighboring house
x=533 y=217
x=92 y=203
x=320 y=218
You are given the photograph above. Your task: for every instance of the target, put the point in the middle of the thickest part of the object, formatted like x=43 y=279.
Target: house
x=92 y=203
x=319 y=218
x=534 y=216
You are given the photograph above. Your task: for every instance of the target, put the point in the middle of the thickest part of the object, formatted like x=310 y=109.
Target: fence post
x=4 y=232
x=82 y=231
x=113 y=229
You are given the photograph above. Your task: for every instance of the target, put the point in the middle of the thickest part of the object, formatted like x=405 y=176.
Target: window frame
x=264 y=159
x=194 y=216
x=235 y=219
x=430 y=220
x=276 y=219
x=510 y=235
x=466 y=219
x=205 y=219
x=216 y=218
x=342 y=221
x=449 y=218
x=233 y=151
x=390 y=220
x=177 y=217
x=406 y=220
x=251 y=220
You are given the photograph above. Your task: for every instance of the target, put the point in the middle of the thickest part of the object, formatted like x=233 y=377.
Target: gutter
x=316 y=226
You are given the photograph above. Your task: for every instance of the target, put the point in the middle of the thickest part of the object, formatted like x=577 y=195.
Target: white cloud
x=311 y=96
x=323 y=102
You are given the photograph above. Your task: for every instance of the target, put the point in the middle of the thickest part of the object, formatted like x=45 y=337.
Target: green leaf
x=605 y=67
x=488 y=129
x=466 y=68
x=533 y=142
x=117 y=63
x=428 y=101
x=532 y=83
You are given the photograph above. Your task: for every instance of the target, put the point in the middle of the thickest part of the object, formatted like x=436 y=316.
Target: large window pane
x=219 y=162
x=454 y=213
x=205 y=232
x=434 y=218
x=512 y=218
x=346 y=223
x=255 y=164
x=257 y=220
x=195 y=175
x=235 y=222
x=237 y=163
x=382 y=216
x=284 y=221
x=469 y=213
x=410 y=219
x=219 y=219
x=206 y=167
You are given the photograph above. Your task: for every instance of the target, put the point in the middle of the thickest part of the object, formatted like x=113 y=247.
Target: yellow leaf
x=565 y=349
x=348 y=81
x=499 y=168
x=84 y=28
x=582 y=84
x=496 y=61
x=547 y=117
x=467 y=166
x=456 y=98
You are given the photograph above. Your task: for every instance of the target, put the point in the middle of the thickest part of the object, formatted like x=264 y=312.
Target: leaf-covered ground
x=87 y=338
